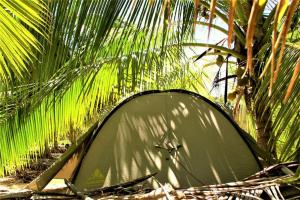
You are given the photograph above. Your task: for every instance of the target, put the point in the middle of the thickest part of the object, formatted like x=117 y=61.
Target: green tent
x=184 y=137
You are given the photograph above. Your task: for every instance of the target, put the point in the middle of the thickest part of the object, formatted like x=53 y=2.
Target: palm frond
x=280 y=9
x=88 y=92
x=100 y=52
x=284 y=32
x=285 y=117
x=231 y=20
x=211 y=15
x=256 y=11
x=293 y=81
x=18 y=44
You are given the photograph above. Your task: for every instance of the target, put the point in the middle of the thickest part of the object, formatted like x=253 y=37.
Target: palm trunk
x=263 y=128
x=72 y=133
x=261 y=113
x=55 y=143
x=47 y=151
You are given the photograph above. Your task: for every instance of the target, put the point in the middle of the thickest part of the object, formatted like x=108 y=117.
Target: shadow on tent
x=185 y=138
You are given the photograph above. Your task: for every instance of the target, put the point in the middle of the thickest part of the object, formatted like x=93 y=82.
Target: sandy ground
x=21 y=178
x=11 y=182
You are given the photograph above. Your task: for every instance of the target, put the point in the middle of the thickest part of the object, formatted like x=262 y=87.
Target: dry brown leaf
x=211 y=15
x=150 y=1
x=250 y=34
x=280 y=6
x=197 y=3
x=280 y=9
x=231 y=20
x=257 y=7
x=291 y=10
x=276 y=47
x=165 y=6
x=293 y=81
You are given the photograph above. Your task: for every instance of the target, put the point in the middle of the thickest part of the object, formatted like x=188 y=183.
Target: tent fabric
x=184 y=137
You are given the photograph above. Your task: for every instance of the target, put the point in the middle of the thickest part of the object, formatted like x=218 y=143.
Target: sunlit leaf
x=98 y=52
x=18 y=45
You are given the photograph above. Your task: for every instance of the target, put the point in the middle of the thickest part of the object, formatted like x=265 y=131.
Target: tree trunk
x=72 y=133
x=263 y=128
x=47 y=151
x=260 y=113
x=55 y=142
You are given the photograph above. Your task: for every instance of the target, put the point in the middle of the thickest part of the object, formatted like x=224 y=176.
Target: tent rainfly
x=184 y=137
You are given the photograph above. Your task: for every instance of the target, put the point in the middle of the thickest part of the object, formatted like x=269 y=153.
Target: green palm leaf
x=99 y=51
x=286 y=122
x=18 y=45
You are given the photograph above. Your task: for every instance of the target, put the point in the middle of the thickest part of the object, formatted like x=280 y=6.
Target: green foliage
x=19 y=22
x=99 y=52
x=286 y=121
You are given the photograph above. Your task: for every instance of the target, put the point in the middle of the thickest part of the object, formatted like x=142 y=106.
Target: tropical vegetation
x=59 y=55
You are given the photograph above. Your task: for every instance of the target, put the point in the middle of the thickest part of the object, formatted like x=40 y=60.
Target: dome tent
x=184 y=137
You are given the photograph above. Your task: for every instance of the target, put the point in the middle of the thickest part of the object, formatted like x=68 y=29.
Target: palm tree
x=99 y=51
x=256 y=47
x=259 y=42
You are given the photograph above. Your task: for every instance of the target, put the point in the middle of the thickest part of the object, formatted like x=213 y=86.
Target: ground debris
x=266 y=184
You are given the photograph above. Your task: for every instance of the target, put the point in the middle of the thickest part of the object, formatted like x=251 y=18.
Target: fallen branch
x=119 y=187
x=76 y=191
x=14 y=194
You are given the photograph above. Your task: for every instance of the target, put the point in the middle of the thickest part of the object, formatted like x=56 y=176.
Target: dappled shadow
x=183 y=138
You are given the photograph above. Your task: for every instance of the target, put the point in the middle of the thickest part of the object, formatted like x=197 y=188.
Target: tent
x=184 y=137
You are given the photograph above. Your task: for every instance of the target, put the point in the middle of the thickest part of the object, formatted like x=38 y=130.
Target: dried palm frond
x=231 y=13
x=267 y=184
